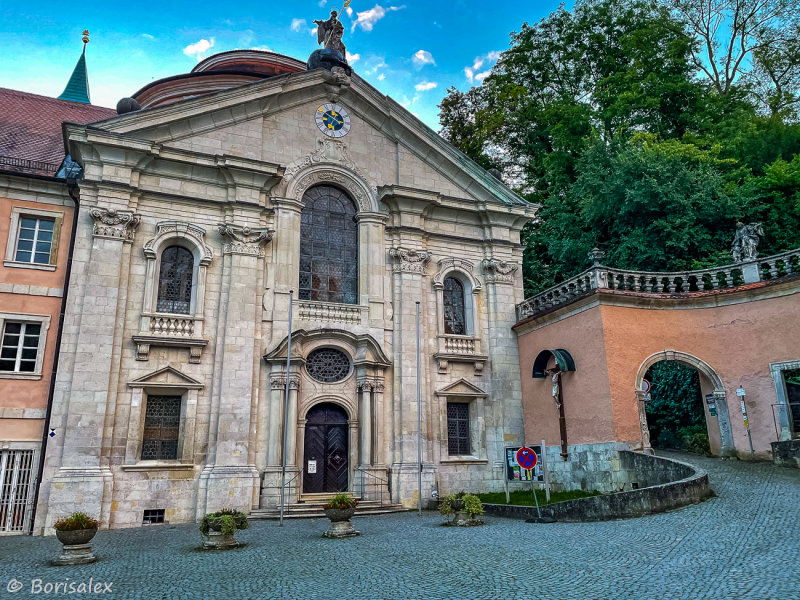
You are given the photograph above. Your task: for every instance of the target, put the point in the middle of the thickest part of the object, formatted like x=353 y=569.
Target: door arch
x=326 y=464
x=712 y=379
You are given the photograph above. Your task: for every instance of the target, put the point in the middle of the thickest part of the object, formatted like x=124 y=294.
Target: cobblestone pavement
x=745 y=543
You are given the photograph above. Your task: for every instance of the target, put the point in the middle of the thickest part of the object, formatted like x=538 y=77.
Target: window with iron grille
x=175 y=281
x=20 y=346
x=328 y=365
x=457 y=428
x=34 y=240
x=153 y=516
x=454 y=313
x=162 y=422
x=328 y=247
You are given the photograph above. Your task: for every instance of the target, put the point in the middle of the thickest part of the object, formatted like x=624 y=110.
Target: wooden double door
x=326 y=450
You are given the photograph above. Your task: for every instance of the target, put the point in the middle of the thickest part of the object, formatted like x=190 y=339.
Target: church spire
x=77 y=88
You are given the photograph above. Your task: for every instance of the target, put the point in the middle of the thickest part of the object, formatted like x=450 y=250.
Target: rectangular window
x=153 y=516
x=34 y=240
x=458 y=428
x=20 y=347
x=162 y=422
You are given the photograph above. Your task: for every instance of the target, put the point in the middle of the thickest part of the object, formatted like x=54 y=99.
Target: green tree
x=675 y=410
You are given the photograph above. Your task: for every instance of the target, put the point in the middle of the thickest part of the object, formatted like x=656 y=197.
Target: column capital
x=409 y=261
x=248 y=241
x=113 y=224
x=499 y=271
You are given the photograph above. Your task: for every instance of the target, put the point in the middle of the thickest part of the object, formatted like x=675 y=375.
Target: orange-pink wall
x=610 y=342
x=21 y=393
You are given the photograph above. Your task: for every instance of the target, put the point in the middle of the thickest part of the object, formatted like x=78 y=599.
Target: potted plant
x=465 y=508
x=75 y=533
x=339 y=511
x=220 y=527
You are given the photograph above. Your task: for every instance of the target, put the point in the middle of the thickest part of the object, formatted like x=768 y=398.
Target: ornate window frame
x=459 y=348
x=166 y=381
x=166 y=329
x=464 y=392
x=777 y=371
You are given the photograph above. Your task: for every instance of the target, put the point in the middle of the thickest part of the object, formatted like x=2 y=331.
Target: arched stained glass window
x=175 y=281
x=454 y=313
x=328 y=247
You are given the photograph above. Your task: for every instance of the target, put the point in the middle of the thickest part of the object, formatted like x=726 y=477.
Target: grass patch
x=525 y=497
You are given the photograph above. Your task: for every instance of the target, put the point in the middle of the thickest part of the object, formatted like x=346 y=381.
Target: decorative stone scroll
x=329 y=150
x=278 y=382
x=409 y=261
x=245 y=240
x=170 y=230
x=499 y=271
x=330 y=176
x=114 y=224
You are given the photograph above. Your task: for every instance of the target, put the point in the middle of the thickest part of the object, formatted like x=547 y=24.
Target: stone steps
x=314 y=510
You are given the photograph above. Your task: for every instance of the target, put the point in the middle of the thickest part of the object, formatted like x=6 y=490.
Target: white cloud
x=367 y=19
x=264 y=48
x=314 y=31
x=381 y=77
x=424 y=86
x=299 y=24
x=406 y=102
x=349 y=11
x=422 y=58
x=376 y=68
x=351 y=58
x=474 y=74
x=198 y=49
x=322 y=3
x=148 y=36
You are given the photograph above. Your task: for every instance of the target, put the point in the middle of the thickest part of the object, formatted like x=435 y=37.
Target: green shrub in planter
x=76 y=521
x=226 y=521
x=461 y=502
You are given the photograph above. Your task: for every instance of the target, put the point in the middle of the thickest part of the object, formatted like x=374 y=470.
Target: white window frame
x=17 y=213
x=44 y=321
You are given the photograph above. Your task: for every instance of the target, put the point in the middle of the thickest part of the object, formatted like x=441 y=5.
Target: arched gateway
x=325 y=450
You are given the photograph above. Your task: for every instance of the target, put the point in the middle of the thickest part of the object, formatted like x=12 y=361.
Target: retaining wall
x=663 y=484
x=786 y=454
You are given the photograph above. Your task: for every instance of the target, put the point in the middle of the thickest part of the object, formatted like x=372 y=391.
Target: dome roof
x=218 y=72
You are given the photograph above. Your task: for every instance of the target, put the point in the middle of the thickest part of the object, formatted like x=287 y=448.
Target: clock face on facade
x=333 y=120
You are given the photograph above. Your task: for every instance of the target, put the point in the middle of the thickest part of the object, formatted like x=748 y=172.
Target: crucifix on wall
x=562 y=362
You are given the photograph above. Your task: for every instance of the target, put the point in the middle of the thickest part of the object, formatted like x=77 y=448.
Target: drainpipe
x=74 y=193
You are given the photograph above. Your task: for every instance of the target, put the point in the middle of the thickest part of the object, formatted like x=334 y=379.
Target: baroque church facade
x=222 y=201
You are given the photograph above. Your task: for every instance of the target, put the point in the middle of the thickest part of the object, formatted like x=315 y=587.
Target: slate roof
x=30 y=130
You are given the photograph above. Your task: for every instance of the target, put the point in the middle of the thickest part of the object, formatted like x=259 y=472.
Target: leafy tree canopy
x=603 y=117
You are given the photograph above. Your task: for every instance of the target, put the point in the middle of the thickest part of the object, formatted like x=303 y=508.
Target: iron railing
x=373 y=486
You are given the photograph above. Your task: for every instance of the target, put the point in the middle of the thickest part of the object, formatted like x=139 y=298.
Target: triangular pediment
x=462 y=387
x=251 y=122
x=168 y=377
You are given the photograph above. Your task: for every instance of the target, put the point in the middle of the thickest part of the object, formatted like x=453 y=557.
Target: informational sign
x=740 y=391
x=744 y=415
x=515 y=472
x=645 y=386
x=712 y=404
x=312 y=466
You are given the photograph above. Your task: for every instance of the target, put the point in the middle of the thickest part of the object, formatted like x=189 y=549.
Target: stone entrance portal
x=325 y=450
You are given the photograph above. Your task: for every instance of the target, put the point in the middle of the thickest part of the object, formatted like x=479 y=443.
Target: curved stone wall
x=664 y=484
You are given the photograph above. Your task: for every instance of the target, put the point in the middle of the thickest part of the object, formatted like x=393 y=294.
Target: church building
x=216 y=204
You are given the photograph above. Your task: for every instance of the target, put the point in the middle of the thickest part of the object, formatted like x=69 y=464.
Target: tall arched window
x=455 y=322
x=175 y=281
x=328 y=247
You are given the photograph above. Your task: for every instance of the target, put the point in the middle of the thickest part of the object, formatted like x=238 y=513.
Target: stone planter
x=77 y=547
x=341 y=527
x=216 y=540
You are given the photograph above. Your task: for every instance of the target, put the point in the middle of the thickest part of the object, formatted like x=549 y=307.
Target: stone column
x=77 y=473
x=409 y=270
x=231 y=482
x=365 y=422
x=271 y=483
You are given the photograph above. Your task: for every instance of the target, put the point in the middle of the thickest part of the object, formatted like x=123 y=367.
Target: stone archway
x=712 y=379
x=326 y=449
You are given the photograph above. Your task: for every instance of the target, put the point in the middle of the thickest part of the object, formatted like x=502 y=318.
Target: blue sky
x=412 y=51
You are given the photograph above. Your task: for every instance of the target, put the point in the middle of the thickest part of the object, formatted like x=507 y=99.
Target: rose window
x=328 y=365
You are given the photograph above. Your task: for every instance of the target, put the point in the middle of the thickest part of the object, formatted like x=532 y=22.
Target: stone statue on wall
x=330 y=34
x=745 y=243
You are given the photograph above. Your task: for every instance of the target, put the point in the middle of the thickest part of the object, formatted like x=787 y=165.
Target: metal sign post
x=544 y=473
x=527 y=459
x=741 y=393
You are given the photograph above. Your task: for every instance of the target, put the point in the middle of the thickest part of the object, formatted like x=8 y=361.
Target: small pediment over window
x=462 y=387
x=168 y=377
